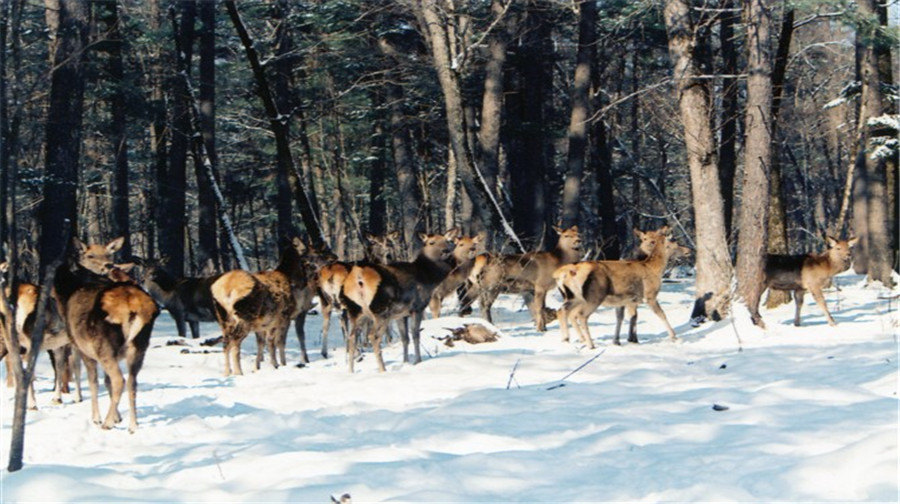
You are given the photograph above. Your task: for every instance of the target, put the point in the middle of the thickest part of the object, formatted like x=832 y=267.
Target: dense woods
x=209 y=134
x=741 y=124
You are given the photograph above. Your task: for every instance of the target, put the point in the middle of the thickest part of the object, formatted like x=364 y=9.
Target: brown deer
x=264 y=302
x=807 y=272
x=107 y=321
x=188 y=299
x=529 y=273
x=620 y=284
x=462 y=261
x=314 y=260
x=330 y=280
x=374 y=294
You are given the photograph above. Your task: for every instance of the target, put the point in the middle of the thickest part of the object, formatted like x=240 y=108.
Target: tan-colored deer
x=265 y=302
x=374 y=294
x=330 y=280
x=807 y=272
x=107 y=321
x=529 y=273
x=620 y=284
x=462 y=261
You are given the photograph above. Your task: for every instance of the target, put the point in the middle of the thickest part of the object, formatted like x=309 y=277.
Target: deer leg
x=377 y=332
x=581 y=323
x=282 y=343
x=537 y=309
x=654 y=305
x=620 y=316
x=75 y=364
x=351 y=342
x=195 y=328
x=326 y=325
x=135 y=360
x=465 y=302
x=180 y=323
x=10 y=379
x=300 y=329
x=435 y=304
x=274 y=342
x=260 y=348
x=562 y=315
x=486 y=300
x=59 y=362
x=798 y=301
x=404 y=337
x=820 y=300
x=32 y=402
x=416 y=331
x=632 y=324
x=116 y=385
x=91 y=366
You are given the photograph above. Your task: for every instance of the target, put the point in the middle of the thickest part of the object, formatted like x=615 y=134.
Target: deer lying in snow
x=530 y=273
x=188 y=300
x=375 y=294
x=807 y=272
x=620 y=284
x=462 y=261
x=264 y=302
x=107 y=321
x=330 y=281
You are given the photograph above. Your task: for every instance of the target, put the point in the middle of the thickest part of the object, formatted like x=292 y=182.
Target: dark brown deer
x=188 y=300
x=374 y=294
x=462 y=261
x=807 y=272
x=530 y=274
x=264 y=302
x=620 y=284
x=107 y=321
x=330 y=280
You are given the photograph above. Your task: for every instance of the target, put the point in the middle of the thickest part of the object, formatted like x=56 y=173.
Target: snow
x=812 y=416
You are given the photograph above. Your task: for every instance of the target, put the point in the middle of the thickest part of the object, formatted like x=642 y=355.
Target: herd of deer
x=101 y=315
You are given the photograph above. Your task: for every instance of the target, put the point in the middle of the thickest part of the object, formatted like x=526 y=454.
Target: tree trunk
x=778 y=239
x=410 y=199
x=378 y=169
x=63 y=134
x=714 y=269
x=282 y=95
x=753 y=220
x=577 y=136
x=278 y=123
x=878 y=252
x=886 y=75
x=173 y=186
x=729 y=112
x=118 y=130
x=207 y=248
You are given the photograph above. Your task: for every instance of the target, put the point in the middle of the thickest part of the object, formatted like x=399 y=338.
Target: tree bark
x=404 y=166
x=207 y=248
x=778 y=238
x=63 y=133
x=278 y=123
x=729 y=112
x=753 y=220
x=578 y=122
x=282 y=95
x=378 y=168
x=714 y=269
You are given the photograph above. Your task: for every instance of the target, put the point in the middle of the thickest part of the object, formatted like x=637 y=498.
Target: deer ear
x=393 y=235
x=4 y=267
x=114 y=246
x=558 y=230
x=665 y=230
x=638 y=233
x=79 y=245
x=574 y=229
x=830 y=241
x=423 y=237
x=298 y=244
x=852 y=241
x=480 y=237
x=126 y=267
x=370 y=237
x=452 y=233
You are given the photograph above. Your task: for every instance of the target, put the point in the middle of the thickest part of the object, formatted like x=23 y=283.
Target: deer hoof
x=56 y=400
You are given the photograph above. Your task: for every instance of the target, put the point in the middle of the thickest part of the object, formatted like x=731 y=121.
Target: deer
x=330 y=280
x=188 y=299
x=374 y=294
x=107 y=321
x=621 y=284
x=807 y=272
x=314 y=260
x=265 y=302
x=529 y=273
x=462 y=260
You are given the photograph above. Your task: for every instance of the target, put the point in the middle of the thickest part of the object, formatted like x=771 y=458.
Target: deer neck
x=565 y=255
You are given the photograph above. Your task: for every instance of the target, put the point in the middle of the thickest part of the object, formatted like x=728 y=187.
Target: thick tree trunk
x=173 y=187
x=714 y=269
x=729 y=112
x=578 y=125
x=281 y=90
x=378 y=169
x=410 y=199
x=753 y=221
x=778 y=238
x=278 y=123
x=207 y=248
x=878 y=253
x=157 y=171
x=63 y=134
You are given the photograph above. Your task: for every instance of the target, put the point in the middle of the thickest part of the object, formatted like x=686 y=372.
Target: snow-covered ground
x=812 y=416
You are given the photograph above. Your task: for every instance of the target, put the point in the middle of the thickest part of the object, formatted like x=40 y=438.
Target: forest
x=214 y=136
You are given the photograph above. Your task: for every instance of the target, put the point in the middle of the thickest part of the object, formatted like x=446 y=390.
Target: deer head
x=437 y=246
x=649 y=240
x=98 y=258
x=569 y=239
x=839 y=252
